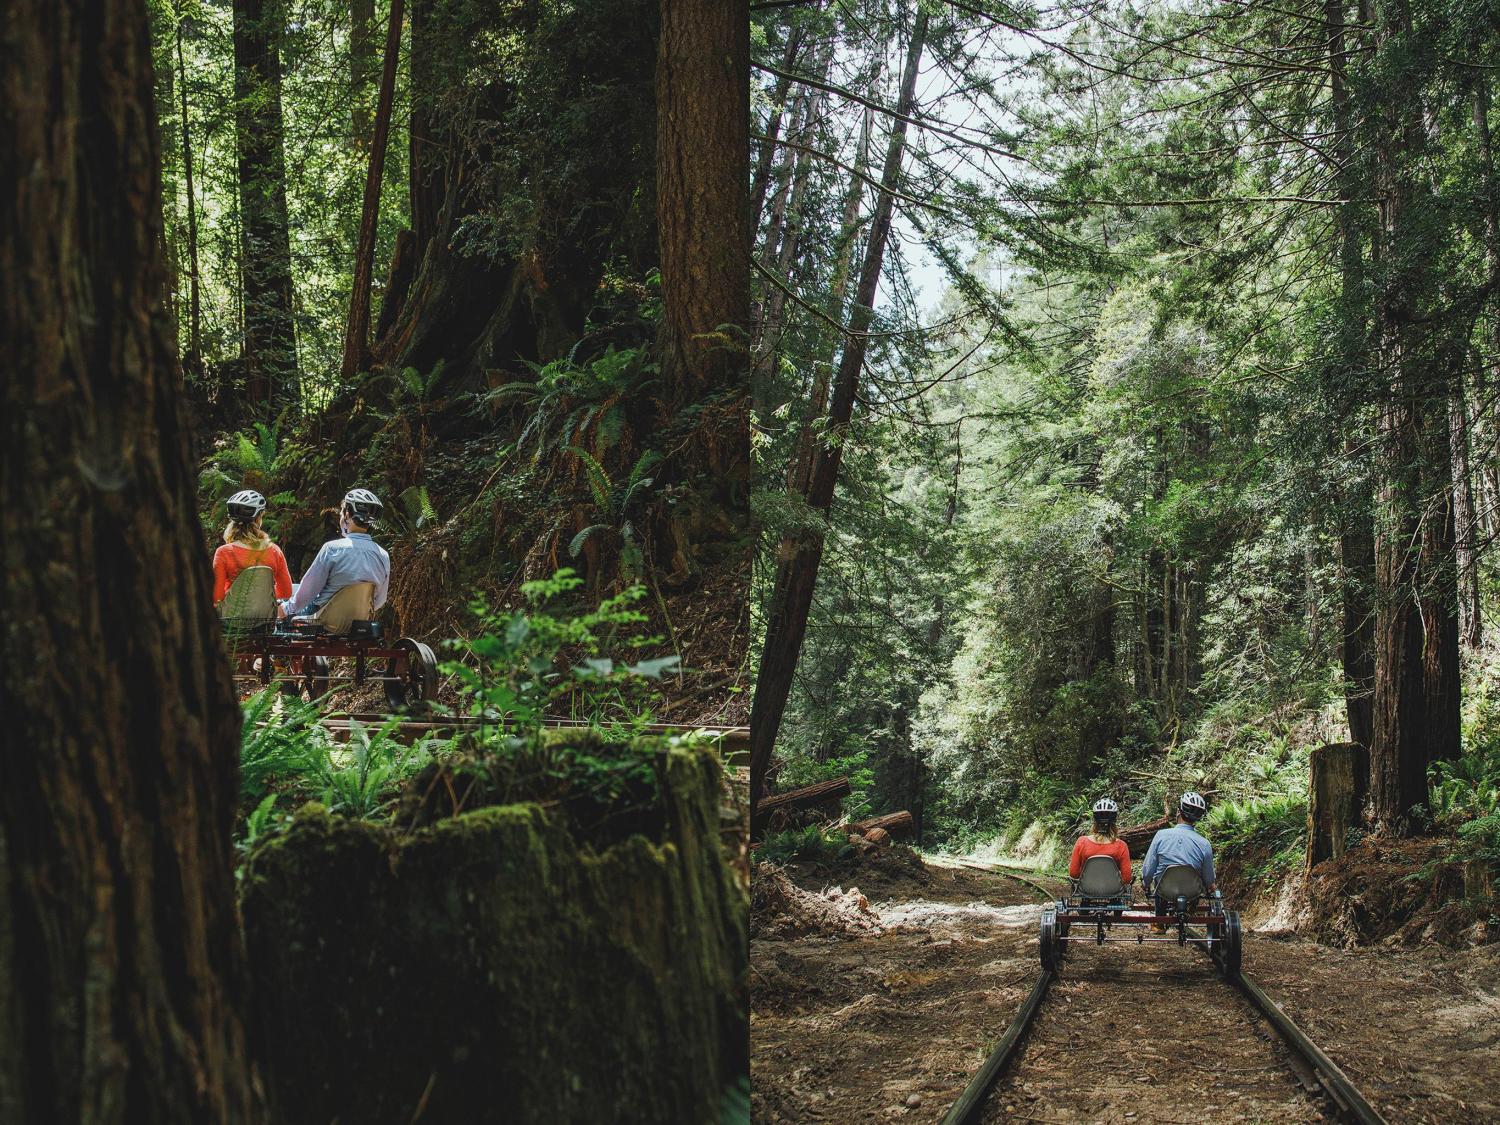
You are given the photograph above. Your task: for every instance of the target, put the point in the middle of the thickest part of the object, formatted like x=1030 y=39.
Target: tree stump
x=491 y=968
x=1337 y=776
x=878 y=836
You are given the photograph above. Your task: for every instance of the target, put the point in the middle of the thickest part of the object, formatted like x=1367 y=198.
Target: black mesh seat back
x=1100 y=877
x=1180 y=881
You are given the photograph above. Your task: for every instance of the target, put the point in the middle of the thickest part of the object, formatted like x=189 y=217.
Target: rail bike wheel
x=411 y=676
x=1051 y=947
x=315 y=676
x=1229 y=951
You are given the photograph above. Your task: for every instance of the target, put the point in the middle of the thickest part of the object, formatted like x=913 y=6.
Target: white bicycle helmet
x=245 y=505
x=363 y=505
x=1106 y=807
x=1192 y=805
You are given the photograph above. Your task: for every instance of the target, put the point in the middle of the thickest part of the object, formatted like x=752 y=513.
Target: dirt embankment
x=887 y=1016
x=1384 y=890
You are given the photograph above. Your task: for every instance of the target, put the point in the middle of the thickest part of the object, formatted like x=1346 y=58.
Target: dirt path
x=1148 y=1033
x=891 y=1024
x=1417 y=1030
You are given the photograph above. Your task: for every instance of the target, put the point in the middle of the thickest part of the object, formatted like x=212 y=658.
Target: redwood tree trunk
x=1471 y=622
x=121 y=969
x=357 y=331
x=193 y=361
x=270 y=343
x=1356 y=527
x=797 y=573
x=702 y=198
x=1416 y=714
x=361 y=70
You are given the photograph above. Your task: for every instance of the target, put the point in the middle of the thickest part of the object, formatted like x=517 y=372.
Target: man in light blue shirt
x=1181 y=844
x=343 y=562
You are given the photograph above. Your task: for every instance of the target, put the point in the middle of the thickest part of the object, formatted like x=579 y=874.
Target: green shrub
x=1274 y=822
x=1275 y=827
x=278 y=743
x=811 y=843
x=287 y=757
x=529 y=663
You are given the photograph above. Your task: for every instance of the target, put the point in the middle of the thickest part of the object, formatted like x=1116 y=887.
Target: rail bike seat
x=1178 y=887
x=249 y=605
x=347 y=613
x=1099 y=883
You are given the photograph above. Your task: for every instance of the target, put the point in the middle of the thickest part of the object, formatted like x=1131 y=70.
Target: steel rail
x=988 y=870
x=1334 y=1080
x=1344 y=1094
x=965 y=1111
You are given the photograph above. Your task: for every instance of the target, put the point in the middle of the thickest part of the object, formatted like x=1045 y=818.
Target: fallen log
x=821 y=793
x=878 y=836
x=894 y=823
x=1138 y=837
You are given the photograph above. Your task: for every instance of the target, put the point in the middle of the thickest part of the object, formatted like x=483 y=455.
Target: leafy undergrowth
x=1265 y=837
x=604 y=781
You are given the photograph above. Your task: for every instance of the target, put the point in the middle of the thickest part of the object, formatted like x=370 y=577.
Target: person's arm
x=1148 y=865
x=1124 y=858
x=1208 y=868
x=312 y=583
x=383 y=583
x=221 y=575
x=1075 y=864
x=283 y=575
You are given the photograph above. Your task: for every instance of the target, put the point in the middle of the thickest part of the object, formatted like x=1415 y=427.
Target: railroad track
x=1350 y=1103
x=734 y=741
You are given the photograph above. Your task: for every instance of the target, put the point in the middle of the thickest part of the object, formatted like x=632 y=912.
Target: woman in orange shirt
x=1103 y=840
x=245 y=544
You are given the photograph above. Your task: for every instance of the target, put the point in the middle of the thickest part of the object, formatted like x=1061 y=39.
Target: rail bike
x=1100 y=907
x=296 y=652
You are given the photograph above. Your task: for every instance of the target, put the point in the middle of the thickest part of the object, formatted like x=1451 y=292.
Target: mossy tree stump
x=1338 y=774
x=491 y=968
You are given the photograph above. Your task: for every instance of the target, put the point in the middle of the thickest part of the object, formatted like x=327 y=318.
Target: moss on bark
x=495 y=967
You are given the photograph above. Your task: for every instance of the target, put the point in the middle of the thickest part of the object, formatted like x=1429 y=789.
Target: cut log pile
x=872 y=832
x=809 y=796
x=895 y=824
x=1138 y=836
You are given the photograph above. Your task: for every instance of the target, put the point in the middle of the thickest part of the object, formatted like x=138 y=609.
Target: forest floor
x=880 y=1003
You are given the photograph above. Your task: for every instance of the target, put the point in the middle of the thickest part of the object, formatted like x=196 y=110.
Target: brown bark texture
x=1416 y=701
x=121 y=970
x=702 y=197
x=361 y=70
x=1337 y=775
x=486 y=306
x=797 y=571
x=270 y=340
x=1138 y=837
x=820 y=793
